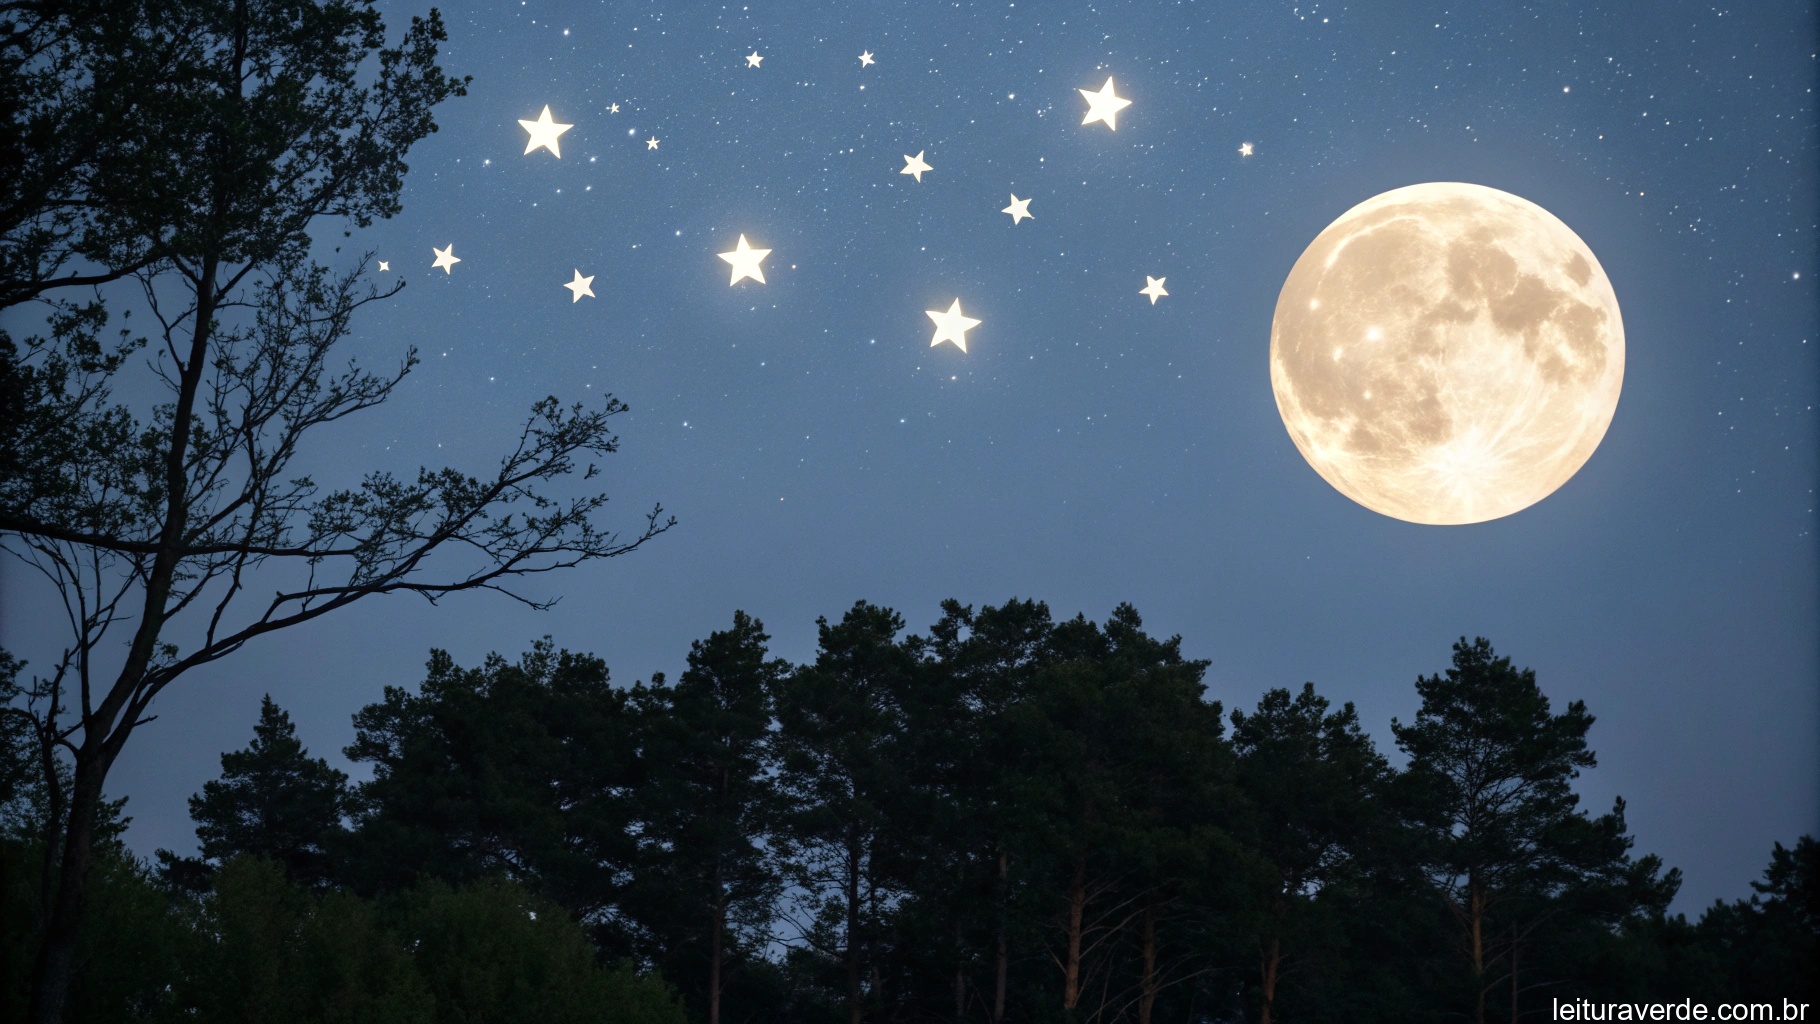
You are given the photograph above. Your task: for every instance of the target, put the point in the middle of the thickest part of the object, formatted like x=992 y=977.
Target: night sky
x=1090 y=447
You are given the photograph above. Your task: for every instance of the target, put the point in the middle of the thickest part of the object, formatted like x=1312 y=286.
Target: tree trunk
x=1147 y=993
x=854 y=1010
x=1002 y=957
x=1272 y=967
x=1476 y=910
x=720 y=908
x=101 y=740
x=960 y=974
x=1077 y=910
x=56 y=966
x=720 y=920
x=1273 y=963
x=1513 y=974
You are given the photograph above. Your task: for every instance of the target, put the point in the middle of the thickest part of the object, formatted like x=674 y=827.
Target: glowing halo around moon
x=1447 y=353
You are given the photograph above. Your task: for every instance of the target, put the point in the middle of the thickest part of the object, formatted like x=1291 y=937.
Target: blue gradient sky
x=1091 y=448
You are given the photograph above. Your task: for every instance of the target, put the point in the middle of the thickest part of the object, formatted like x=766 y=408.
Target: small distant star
x=383 y=265
x=746 y=260
x=581 y=286
x=613 y=109
x=445 y=258
x=752 y=59
x=914 y=165
x=544 y=132
x=1104 y=106
x=951 y=326
x=651 y=143
x=1019 y=209
x=1154 y=288
x=865 y=59
x=1244 y=149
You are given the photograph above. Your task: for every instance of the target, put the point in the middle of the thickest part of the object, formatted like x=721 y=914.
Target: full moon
x=1447 y=353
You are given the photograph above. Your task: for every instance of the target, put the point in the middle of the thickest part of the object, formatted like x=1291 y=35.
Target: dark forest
x=1007 y=818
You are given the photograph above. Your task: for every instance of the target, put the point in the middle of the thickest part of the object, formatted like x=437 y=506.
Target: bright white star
x=446 y=258
x=651 y=143
x=1154 y=288
x=383 y=265
x=581 y=286
x=865 y=59
x=746 y=260
x=1019 y=209
x=544 y=132
x=951 y=326
x=913 y=165
x=752 y=59
x=1104 y=106
x=1244 y=149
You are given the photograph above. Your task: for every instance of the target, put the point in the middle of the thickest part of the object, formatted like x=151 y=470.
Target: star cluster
x=782 y=234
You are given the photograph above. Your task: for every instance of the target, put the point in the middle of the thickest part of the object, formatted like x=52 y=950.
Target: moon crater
x=1447 y=353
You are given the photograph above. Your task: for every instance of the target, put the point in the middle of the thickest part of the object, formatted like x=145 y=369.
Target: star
x=613 y=109
x=1244 y=149
x=914 y=165
x=446 y=258
x=746 y=260
x=581 y=286
x=544 y=132
x=1019 y=209
x=1154 y=288
x=651 y=143
x=752 y=59
x=384 y=266
x=1104 y=106
x=865 y=59
x=951 y=326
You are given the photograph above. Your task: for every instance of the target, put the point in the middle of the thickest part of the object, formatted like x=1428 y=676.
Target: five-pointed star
x=383 y=265
x=745 y=260
x=1019 y=209
x=913 y=165
x=581 y=286
x=951 y=326
x=1154 y=288
x=1104 y=106
x=544 y=132
x=1244 y=149
x=752 y=59
x=445 y=258
x=865 y=59
x=613 y=109
x=651 y=143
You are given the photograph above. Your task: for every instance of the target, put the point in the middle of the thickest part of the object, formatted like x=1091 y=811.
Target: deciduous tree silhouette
x=227 y=130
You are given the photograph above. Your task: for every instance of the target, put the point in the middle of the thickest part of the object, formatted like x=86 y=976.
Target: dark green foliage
x=519 y=771
x=273 y=801
x=1489 y=791
x=136 y=944
x=840 y=732
x=493 y=953
x=1320 y=825
x=706 y=889
x=1766 y=946
x=270 y=951
x=1011 y=819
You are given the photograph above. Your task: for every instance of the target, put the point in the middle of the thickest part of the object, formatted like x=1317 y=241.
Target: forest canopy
x=1007 y=817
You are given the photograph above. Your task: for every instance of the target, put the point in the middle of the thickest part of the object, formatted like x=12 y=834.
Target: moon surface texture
x=1447 y=353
